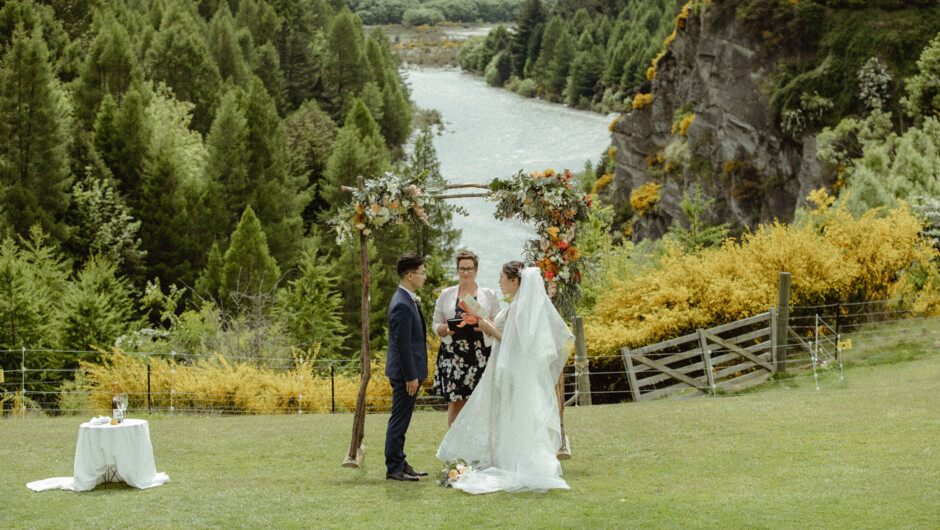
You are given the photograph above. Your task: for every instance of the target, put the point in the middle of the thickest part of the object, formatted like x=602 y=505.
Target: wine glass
x=122 y=405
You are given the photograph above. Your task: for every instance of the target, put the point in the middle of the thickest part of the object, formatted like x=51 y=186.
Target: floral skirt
x=460 y=365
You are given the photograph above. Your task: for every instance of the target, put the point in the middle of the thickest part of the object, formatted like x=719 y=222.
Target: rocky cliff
x=733 y=146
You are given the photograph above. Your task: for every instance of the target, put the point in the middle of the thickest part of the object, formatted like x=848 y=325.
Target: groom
x=406 y=365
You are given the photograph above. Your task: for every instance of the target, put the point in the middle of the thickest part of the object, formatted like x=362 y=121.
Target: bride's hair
x=513 y=270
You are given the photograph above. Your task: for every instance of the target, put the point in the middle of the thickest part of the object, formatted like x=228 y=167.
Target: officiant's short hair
x=408 y=262
x=466 y=254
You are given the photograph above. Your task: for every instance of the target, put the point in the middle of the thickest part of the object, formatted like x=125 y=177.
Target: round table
x=115 y=453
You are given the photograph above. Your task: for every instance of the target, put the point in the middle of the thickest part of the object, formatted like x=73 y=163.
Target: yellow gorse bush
x=218 y=385
x=644 y=198
x=602 y=183
x=831 y=256
x=642 y=100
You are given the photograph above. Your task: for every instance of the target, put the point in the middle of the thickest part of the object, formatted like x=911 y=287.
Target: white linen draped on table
x=110 y=453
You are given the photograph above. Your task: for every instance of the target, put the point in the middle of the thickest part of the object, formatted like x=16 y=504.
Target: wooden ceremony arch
x=356 y=452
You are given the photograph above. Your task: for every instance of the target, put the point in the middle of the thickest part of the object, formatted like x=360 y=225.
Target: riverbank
x=431 y=46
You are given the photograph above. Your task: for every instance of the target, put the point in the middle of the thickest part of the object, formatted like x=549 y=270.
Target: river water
x=493 y=133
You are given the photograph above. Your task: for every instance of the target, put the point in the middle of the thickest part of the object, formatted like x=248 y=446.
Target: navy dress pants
x=403 y=406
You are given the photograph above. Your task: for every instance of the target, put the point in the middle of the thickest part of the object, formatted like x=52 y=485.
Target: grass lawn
x=858 y=454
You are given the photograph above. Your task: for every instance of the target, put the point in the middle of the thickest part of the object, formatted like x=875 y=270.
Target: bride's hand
x=487 y=327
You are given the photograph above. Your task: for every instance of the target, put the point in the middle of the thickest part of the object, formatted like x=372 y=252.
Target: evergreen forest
x=167 y=169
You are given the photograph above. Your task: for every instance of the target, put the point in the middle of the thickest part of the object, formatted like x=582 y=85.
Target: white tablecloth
x=110 y=453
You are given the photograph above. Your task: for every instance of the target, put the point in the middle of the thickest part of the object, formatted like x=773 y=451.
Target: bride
x=510 y=424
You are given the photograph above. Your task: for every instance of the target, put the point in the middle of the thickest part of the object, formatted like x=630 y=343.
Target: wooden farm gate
x=731 y=355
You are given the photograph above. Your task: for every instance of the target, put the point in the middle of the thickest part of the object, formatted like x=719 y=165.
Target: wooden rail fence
x=730 y=355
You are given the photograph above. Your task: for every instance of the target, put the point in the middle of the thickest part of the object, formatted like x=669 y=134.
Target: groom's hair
x=513 y=270
x=408 y=262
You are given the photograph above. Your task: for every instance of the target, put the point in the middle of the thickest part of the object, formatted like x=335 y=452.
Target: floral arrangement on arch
x=390 y=199
x=548 y=200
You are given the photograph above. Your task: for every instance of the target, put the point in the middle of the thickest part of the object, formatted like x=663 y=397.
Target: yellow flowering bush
x=611 y=126
x=642 y=100
x=831 y=255
x=602 y=183
x=684 y=125
x=217 y=385
x=644 y=198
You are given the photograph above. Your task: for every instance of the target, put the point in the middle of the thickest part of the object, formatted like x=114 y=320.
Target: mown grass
x=860 y=454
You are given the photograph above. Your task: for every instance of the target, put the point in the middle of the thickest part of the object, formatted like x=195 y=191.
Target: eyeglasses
x=422 y=273
x=466 y=269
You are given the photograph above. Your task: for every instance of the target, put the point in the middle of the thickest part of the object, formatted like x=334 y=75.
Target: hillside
x=740 y=93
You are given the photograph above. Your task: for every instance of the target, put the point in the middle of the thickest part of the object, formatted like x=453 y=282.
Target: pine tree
x=346 y=68
x=34 y=171
x=396 y=118
x=546 y=54
x=527 y=24
x=129 y=156
x=557 y=70
x=277 y=195
x=225 y=48
x=584 y=77
x=248 y=267
x=96 y=308
x=32 y=278
x=302 y=48
x=110 y=67
x=310 y=135
x=210 y=280
x=227 y=169
x=309 y=307
x=179 y=57
x=170 y=187
x=359 y=150
x=266 y=65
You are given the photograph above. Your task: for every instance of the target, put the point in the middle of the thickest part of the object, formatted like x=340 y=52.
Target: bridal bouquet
x=454 y=471
x=548 y=200
x=383 y=200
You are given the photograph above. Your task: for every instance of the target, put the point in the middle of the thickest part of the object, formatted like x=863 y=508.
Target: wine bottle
x=116 y=412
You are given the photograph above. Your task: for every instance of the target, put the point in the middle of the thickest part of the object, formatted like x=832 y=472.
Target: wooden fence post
x=581 y=363
x=706 y=360
x=631 y=373
x=356 y=452
x=782 y=323
x=564 y=452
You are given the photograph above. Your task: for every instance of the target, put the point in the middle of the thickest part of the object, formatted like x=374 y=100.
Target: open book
x=464 y=326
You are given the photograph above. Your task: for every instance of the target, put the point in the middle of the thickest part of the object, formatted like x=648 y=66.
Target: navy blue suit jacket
x=407 y=344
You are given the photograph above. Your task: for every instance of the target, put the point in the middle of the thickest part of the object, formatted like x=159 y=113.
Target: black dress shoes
x=411 y=471
x=402 y=476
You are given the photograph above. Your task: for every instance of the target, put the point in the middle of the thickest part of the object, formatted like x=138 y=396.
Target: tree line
x=167 y=168
x=585 y=54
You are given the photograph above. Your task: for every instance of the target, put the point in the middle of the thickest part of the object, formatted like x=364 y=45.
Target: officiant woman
x=462 y=356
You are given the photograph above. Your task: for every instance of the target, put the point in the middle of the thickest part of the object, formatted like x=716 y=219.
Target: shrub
x=832 y=256
x=215 y=384
x=645 y=198
x=642 y=100
x=527 y=88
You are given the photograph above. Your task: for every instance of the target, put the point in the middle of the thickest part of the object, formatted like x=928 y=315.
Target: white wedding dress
x=510 y=424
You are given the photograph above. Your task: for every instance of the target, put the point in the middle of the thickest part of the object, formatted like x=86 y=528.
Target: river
x=493 y=133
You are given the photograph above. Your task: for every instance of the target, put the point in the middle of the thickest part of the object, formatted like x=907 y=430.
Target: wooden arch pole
x=356 y=451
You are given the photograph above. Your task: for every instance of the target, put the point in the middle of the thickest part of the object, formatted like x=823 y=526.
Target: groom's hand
x=411 y=387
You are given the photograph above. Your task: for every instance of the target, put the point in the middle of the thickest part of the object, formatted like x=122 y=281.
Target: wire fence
x=829 y=334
